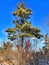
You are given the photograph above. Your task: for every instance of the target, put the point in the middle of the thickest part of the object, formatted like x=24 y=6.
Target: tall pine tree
x=23 y=27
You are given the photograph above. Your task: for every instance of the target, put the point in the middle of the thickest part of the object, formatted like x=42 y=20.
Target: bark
x=22 y=41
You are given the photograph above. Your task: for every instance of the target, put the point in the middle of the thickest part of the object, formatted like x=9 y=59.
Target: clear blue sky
x=40 y=9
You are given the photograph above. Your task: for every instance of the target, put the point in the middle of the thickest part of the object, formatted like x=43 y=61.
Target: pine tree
x=23 y=27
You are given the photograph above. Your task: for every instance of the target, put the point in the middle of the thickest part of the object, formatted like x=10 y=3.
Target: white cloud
x=43 y=41
x=33 y=38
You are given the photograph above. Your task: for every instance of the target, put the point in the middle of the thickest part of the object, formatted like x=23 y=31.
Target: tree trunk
x=22 y=41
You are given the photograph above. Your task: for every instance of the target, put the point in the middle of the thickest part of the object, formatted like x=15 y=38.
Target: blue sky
x=39 y=18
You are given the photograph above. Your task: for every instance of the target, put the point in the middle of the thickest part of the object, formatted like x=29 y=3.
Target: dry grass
x=17 y=57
